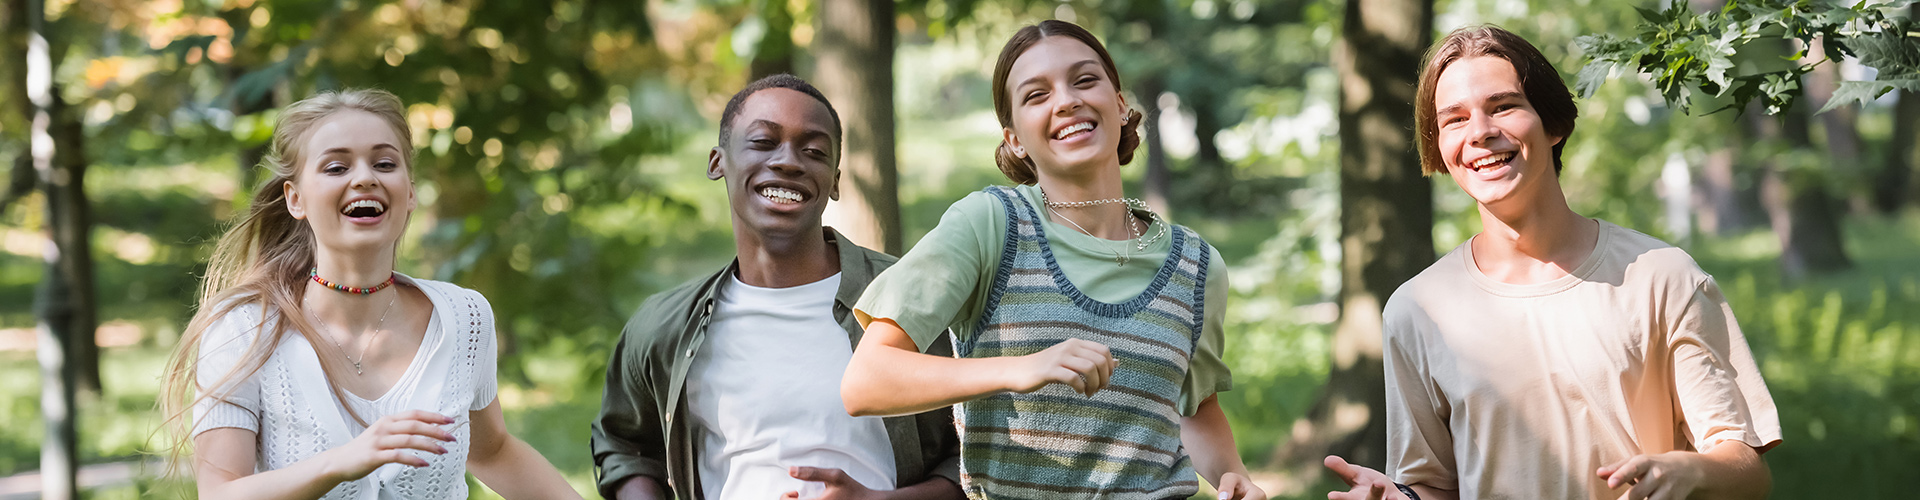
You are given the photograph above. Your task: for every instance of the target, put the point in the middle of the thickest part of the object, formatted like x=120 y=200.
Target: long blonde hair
x=263 y=261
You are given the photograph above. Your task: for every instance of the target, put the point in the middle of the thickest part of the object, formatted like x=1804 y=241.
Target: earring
x=1020 y=151
x=1124 y=119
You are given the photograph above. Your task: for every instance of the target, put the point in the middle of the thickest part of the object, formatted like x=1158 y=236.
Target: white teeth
x=1073 y=128
x=782 y=194
x=1484 y=162
x=365 y=204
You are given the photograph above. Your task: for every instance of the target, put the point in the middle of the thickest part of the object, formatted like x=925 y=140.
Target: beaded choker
x=315 y=274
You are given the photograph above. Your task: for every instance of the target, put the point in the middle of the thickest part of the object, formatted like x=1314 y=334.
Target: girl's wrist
x=1005 y=373
x=329 y=464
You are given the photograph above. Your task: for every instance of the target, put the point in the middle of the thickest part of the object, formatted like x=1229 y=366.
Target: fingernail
x=443 y=449
x=1225 y=495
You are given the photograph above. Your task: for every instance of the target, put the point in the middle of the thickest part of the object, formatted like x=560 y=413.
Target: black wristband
x=1408 y=491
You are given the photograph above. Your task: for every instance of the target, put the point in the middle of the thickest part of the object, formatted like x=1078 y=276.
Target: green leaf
x=1651 y=16
x=1779 y=83
x=1892 y=5
x=1608 y=47
x=1718 y=56
x=1889 y=53
x=1591 y=76
x=1907 y=84
x=1852 y=91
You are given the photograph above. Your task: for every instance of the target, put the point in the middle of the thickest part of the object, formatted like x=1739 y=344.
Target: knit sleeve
x=229 y=389
x=486 y=385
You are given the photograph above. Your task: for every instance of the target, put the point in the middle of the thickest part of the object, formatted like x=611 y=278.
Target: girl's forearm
x=1209 y=441
x=890 y=376
x=518 y=471
x=306 y=479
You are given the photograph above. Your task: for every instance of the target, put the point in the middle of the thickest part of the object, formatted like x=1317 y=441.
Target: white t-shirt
x=765 y=389
x=1500 y=390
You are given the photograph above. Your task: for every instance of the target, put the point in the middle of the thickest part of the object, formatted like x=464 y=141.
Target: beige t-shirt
x=1523 y=391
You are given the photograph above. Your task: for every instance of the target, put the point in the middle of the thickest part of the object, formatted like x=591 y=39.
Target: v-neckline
x=429 y=342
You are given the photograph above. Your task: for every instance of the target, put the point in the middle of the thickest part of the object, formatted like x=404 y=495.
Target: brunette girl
x=1086 y=328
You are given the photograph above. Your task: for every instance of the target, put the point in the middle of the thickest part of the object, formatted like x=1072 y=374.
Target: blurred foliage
x=1688 y=53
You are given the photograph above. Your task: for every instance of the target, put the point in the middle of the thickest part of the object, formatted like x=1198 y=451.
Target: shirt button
x=689 y=352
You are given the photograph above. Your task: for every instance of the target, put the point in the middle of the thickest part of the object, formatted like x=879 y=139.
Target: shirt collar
x=856 y=269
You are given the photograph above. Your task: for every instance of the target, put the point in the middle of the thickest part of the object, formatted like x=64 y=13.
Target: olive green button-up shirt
x=643 y=429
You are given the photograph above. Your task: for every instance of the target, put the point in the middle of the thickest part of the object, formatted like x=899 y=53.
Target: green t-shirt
x=944 y=281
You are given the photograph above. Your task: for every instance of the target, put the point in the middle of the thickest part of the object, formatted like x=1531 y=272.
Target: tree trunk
x=1892 y=185
x=21 y=178
x=55 y=306
x=774 y=53
x=1842 y=134
x=1723 y=204
x=1717 y=196
x=1158 y=182
x=1804 y=215
x=1386 y=223
x=248 y=160
x=855 y=54
x=1208 y=162
x=73 y=235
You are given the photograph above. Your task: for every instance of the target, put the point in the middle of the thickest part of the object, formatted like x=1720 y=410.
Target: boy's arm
x=1726 y=407
x=628 y=440
x=1731 y=470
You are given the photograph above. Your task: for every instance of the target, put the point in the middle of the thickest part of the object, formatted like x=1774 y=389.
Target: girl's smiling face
x=1068 y=114
x=353 y=186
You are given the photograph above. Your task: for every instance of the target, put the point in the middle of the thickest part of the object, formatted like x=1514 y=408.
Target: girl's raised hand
x=1084 y=365
x=386 y=440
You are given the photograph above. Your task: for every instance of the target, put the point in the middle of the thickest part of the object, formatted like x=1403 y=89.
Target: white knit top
x=289 y=405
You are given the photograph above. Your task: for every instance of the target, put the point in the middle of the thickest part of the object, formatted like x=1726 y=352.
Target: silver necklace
x=328 y=331
x=1120 y=254
x=1140 y=244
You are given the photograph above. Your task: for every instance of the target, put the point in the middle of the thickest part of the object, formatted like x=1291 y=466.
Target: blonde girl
x=312 y=369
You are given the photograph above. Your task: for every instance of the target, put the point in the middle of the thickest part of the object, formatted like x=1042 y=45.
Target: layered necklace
x=1121 y=254
x=327 y=330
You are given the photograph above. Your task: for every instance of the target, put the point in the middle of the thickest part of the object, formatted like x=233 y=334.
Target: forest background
x=561 y=146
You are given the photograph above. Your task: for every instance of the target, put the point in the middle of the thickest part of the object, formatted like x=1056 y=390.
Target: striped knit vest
x=1124 y=442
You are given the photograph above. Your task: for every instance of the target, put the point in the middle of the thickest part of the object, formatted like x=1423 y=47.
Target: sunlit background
x=560 y=169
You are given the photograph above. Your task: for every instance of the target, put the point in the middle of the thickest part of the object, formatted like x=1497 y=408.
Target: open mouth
x=1074 y=130
x=364 y=208
x=782 y=195
x=1495 y=160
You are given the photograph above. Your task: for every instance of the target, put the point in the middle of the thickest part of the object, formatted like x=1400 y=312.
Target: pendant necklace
x=1121 y=255
x=327 y=331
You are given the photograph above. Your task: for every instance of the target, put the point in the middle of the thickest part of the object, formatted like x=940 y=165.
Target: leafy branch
x=1684 y=52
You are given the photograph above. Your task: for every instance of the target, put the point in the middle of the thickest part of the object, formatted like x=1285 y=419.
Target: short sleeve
x=941 y=282
x=1419 y=439
x=1207 y=374
x=1716 y=381
x=486 y=368
x=223 y=347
